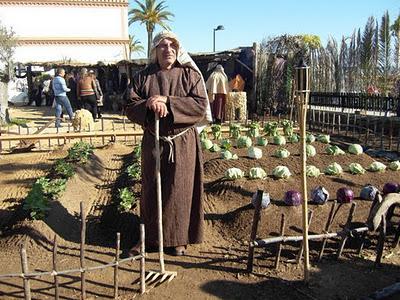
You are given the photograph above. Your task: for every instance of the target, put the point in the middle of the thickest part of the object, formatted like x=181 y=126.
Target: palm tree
x=134 y=46
x=151 y=14
x=384 y=57
x=396 y=32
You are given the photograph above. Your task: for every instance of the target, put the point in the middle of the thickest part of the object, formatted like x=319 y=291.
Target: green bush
x=134 y=171
x=80 y=151
x=36 y=202
x=127 y=199
x=64 y=169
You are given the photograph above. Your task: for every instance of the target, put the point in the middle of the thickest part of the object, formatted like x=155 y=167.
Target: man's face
x=166 y=52
x=62 y=73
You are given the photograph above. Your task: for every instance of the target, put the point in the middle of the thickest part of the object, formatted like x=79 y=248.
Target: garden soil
x=214 y=269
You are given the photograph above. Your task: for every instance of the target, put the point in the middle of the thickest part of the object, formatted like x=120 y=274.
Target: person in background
x=172 y=87
x=218 y=87
x=86 y=94
x=60 y=96
x=72 y=95
x=98 y=92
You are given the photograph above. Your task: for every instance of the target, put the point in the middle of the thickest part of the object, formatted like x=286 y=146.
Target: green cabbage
x=206 y=144
x=215 y=148
x=310 y=138
x=310 y=150
x=324 y=138
x=257 y=173
x=234 y=173
x=261 y=141
x=312 y=171
x=204 y=134
x=226 y=144
x=356 y=168
x=377 y=166
x=281 y=172
x=254 y=152
x=355 y=149
x=294 y=138
x=279 y=140
x=234 y=130
x=282 y=153
x=287 y=127
x=394 y=165
x=216 y=131
x=244 y=142
x=334 y=150
x=334 y=169
x=253 y=130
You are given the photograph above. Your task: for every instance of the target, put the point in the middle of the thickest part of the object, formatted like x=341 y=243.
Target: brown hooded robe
x=181 y=180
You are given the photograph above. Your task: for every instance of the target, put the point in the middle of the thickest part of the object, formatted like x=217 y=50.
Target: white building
x=68 y=31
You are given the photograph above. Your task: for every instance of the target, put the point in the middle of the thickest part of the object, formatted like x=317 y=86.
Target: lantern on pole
x=303 y=92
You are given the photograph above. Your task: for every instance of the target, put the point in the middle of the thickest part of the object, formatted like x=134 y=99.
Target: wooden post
x=116 y=267
x=327 y=228
x=254 y=228
x=300 y=254
x=279 y=245
x=381 y=242
x=347 y=123
x=25 y=271
x=82 y=257
x=347 y=229
x=382 y=133
x=303 y=110
x=56 y=292
x=142 y=260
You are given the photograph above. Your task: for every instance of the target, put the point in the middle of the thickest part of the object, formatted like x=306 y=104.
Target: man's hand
x=158 y=104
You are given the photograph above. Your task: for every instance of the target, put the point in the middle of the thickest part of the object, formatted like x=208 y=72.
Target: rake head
x=155 y=278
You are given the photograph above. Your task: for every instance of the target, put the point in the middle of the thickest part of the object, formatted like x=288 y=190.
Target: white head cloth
x=185 y=60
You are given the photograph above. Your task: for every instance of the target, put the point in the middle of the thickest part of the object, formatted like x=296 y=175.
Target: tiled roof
x=66 y=2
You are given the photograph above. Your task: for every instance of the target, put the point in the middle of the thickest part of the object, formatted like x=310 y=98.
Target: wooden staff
x=253 y=234
x=116 y=267
x=82 y=258
x=142 y=260
x=25 y=271
x=56 y=292
x=279 y=245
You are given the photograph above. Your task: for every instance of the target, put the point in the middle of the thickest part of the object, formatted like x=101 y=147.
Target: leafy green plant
x=134 y=171
x=80 y=151
x=271 y=128
x=234 y=130
x=127 y=199
x=287 y=127
x=216 y=131
x=204 y=134
x=64 y=168
x=253 y=131
x=137 y=151
x=36 y=202
x=52 y=188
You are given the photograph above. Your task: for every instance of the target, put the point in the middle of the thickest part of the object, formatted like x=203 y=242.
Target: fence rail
x=356 y=101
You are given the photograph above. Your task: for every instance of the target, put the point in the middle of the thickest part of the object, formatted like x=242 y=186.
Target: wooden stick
x=298 y=238
x=56 y=291
x=347 y=124
x=279 y=245
x=303 y=109
x=327 y=228
x=142 y=260
x=300 y=254
x=25 y=271
x=381 y=242
x=117 y=248
x=82 y=257
x=346 y=228
x=254 y=228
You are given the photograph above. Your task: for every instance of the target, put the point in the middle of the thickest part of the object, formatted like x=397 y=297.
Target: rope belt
x=168 y=139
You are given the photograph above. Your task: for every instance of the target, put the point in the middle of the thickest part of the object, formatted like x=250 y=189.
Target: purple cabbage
x=319 y=195
x=344 y=195
x=390 y=187
x=293 y=198
x=368 y=192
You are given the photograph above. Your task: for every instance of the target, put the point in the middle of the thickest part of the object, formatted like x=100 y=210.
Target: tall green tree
x=134 y=46
x=8 y=44
x=150 y=13
x=396 y=33
x=384 y=54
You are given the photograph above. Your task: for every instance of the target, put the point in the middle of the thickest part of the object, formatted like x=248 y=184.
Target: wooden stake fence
x=83 y=270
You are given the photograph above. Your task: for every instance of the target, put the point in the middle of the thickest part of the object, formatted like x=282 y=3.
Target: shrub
x=80 y=151
x=64 y=169
x=127 y=199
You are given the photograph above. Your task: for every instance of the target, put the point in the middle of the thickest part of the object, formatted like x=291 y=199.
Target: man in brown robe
x=176 y=92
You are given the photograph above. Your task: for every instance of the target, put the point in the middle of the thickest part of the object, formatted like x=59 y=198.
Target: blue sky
x=251 y=21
